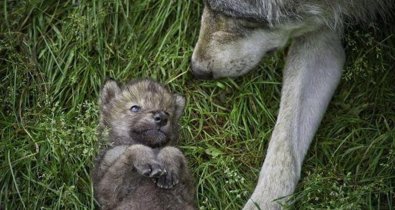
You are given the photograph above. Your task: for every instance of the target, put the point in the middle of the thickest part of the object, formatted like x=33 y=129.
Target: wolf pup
x=139 y=170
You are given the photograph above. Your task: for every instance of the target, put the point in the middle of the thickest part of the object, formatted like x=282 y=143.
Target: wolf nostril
x=157 y=119
x=202 y=75
x=160 y=118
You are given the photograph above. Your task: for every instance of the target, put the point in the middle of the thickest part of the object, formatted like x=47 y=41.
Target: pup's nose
x=200 y=73
x=160 y=118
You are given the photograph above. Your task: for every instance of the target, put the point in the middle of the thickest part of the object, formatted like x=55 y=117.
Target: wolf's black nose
x=199 y=73
x=160 y=118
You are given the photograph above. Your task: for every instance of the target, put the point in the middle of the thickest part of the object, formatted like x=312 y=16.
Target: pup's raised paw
x=150 y=169
x=167 y=180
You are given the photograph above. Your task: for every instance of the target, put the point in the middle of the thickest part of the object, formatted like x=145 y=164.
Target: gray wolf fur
x=235 y=35
x=139 y=169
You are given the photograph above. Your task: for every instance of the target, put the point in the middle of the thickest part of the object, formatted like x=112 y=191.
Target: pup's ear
x=109 y=91
x=180 y=104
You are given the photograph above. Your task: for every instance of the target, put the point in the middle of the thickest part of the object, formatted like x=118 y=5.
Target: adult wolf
x=235 y=35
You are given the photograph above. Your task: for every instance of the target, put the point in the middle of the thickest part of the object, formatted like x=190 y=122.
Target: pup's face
x=230 y=47
x=140 y=112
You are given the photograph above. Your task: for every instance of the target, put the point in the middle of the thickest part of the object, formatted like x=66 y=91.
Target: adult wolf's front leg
x=311 y=74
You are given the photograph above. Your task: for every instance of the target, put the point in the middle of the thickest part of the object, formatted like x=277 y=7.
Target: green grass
x=54 y=56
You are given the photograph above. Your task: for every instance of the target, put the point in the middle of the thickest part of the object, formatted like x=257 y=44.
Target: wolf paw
x=167 y=180
x=151 y=169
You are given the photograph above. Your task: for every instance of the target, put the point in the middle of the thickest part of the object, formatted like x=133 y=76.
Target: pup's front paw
x=151 y=168
x=167 y=180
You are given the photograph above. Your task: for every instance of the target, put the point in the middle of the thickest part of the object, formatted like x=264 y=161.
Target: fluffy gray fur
x=139 y=169
x=331 y=12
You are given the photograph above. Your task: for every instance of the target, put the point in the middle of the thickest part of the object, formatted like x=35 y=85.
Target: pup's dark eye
x=135 y=108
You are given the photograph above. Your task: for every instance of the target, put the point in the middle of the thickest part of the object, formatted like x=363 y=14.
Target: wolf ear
x=109 y=91
x=180 y=104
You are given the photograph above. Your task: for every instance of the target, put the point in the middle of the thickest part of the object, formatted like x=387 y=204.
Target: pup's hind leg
x=312 y=72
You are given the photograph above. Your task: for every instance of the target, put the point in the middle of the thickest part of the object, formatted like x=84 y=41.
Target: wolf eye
x=135 y=108
x=250 y=24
